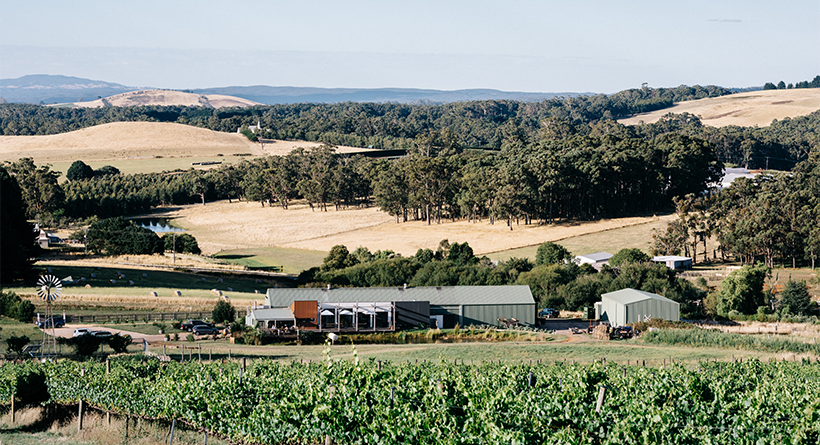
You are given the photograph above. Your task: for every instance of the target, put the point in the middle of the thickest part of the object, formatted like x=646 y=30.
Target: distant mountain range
x=50 y=89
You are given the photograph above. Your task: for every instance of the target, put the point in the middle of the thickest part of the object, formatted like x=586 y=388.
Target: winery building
x=377 y=309
x=629 y=305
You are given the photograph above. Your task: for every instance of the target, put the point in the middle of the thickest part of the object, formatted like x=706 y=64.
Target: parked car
x=548 y=313
x=56 y=322
x=204 y=330
x=79 y=332
x=103 y=334
x=189 y=324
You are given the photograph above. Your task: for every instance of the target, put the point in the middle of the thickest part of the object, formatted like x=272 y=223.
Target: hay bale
x=177 y=293
x=88 y=286
x=153 y=294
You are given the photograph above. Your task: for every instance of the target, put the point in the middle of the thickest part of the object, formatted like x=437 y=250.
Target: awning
x=345 y=312
x=326 y=312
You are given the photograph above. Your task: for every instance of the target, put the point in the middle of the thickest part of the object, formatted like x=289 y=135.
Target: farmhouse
x=629 y=305
x=674 y=262
x=393 y=308
x=597 y=259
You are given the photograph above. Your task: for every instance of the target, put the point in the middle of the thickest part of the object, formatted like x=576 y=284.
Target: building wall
x=618 y=314
x=489 y=314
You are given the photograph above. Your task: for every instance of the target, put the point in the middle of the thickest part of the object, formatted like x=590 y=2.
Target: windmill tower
x=49 y=288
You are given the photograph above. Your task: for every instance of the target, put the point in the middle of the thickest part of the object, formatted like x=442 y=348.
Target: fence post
x=392 y=396
x=173 y=425
x=601 y=396
x=12 y=409
x=80 y=412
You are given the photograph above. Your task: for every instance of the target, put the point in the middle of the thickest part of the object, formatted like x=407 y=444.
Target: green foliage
x=40 y=190
x=16 y=344
x=338 y=258
x=628 y=256
x=119 y=343
x=551 y=253
x=84 y=346
x=25 y=382
x=12 y=306
x=742 y=290
x=182 y=243
x=79 y=170
x=117 y=236
x=712 y=338
x=106 y=170
x=223 y=312
x=18 y=238
x=434 y=403
x=795 y=299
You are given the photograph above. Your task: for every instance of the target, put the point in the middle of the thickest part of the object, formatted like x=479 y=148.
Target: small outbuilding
x=630 y=305
x=674 y=262
x=596 y=259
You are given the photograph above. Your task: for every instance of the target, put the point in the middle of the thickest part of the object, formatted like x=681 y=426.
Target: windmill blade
x=49 y=287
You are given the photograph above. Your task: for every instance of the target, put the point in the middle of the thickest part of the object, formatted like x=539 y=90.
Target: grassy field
x=291 y=261
x=195 y=288
x=148 y=165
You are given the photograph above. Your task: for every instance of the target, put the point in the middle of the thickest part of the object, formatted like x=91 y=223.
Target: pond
x=158 y=225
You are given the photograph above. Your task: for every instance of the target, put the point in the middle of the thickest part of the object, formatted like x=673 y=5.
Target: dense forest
x=478 y=124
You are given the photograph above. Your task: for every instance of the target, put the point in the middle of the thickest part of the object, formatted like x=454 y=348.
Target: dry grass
x=757 y=108
x=167 y=97
x=226 y=226
x=143 y=147
x=97 y=429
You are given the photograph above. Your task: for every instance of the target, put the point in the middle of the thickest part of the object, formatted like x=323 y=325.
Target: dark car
x=189 y=324
x=548 y=313
x=56 y=322
x=204 y=330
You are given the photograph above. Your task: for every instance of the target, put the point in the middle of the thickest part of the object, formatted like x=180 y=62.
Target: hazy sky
x=537 y=46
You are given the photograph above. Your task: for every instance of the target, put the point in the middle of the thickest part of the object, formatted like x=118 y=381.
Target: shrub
x=17 y=344
x=223 y=312
x=119 y=343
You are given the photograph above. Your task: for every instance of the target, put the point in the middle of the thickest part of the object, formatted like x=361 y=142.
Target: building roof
x=277 y=313
x=439 y=296
x=597 y=256
x=671 y=258
x=629 y=295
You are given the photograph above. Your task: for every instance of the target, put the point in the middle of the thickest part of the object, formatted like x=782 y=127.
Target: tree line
x=577 y=177
x=814 y=83
x=773 y=219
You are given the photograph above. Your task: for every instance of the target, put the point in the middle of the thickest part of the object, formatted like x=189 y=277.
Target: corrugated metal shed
x=464 y=305
x=630 y=305
x=439 y=296
x=269 y=314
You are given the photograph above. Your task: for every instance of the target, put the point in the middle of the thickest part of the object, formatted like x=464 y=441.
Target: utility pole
x=175 y=246
x=85 y=240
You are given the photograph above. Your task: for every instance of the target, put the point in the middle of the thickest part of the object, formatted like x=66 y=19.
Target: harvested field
x=756 y=108
x=226 y=226
x=144 y=147
x=166 y=97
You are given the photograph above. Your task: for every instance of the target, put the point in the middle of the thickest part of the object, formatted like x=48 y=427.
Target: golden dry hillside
x=167 y=97
x=143 y=146
x=124 y=140
x=756 y=108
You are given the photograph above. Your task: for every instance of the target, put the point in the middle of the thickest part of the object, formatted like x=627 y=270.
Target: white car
x=79 y=332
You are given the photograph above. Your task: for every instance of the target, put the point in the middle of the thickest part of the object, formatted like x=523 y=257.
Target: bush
x=223 y=312
x=84 y=346
x=119 y=343
x=17 y=344
x=181 y=243
x=12 y=306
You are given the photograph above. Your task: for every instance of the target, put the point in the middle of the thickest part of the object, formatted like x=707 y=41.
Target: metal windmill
x=49 y=288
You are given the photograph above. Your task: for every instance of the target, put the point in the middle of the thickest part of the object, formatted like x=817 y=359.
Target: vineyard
x=446 y=403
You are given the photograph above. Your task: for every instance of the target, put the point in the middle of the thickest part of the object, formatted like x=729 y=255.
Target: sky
x=599 y=46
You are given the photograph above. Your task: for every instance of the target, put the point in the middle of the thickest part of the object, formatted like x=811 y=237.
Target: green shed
x=629 y=305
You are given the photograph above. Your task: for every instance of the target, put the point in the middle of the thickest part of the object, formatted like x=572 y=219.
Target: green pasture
x=163 y=282
x=557 y=350
x=130 y=166
x=637 y=236
x=291 y=261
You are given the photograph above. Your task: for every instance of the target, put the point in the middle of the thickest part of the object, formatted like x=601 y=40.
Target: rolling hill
x=754 y=108
x=166 y=97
